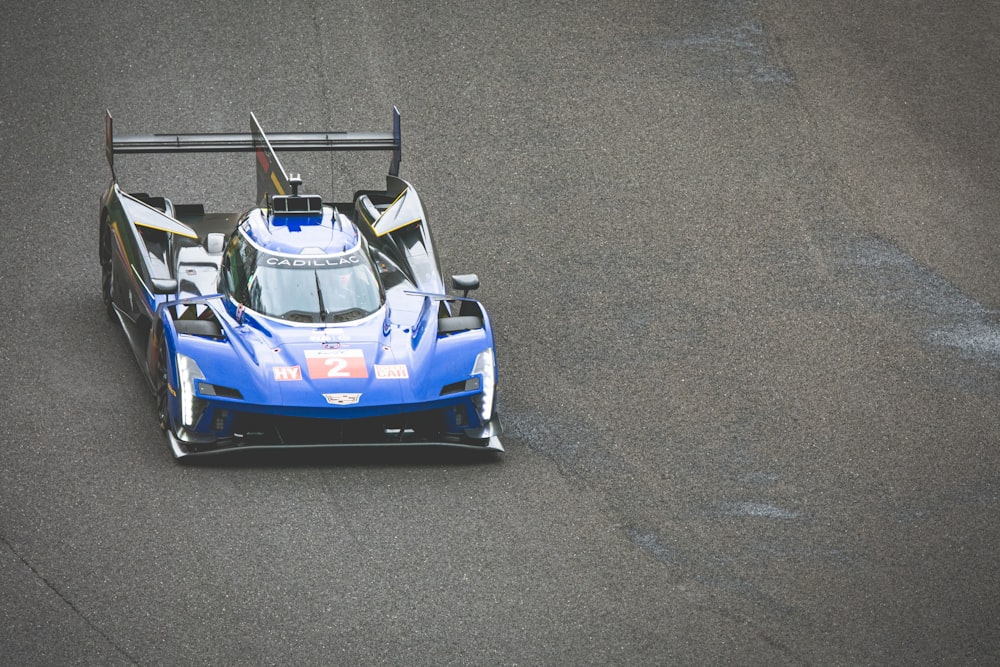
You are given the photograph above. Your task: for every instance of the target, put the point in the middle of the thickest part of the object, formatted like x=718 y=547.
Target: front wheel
x=163 y=409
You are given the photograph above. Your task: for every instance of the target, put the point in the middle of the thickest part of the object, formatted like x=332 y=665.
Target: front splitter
x=180 y=452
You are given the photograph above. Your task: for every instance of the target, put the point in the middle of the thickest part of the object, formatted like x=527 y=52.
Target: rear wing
x=271 y=177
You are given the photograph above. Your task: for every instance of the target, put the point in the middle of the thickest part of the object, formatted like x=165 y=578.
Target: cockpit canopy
x=297 y=279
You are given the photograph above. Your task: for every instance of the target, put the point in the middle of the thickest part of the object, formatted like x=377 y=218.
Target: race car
x=299 y=322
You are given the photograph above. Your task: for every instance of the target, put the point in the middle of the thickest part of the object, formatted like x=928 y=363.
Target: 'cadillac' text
x=311 y=263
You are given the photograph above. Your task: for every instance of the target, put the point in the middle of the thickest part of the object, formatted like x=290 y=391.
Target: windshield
x=338 y=288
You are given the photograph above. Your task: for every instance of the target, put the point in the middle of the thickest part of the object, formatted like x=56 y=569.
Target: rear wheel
x=107 y=269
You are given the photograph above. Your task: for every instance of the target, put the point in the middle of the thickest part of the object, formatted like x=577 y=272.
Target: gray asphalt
x=743 y=262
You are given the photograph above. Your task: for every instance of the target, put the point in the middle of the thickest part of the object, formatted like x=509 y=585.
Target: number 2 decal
x=336 y=364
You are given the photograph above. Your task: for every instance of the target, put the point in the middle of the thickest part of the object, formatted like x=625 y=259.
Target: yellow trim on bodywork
x=389 y=208
x=277 y=184
x=149 y=225
x=396 y=200
x=139 y=223
x=405 y=224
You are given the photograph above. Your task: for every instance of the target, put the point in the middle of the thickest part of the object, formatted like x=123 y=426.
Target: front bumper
x=181 y=451
x=274 y=432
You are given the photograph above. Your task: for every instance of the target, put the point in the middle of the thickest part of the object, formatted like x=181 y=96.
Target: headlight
x=192 y=407
x=486 y=368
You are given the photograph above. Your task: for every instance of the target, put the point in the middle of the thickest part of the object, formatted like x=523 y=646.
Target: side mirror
x=164 y=285
x=465 y=282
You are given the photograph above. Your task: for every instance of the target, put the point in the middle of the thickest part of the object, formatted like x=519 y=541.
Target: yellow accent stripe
x=389 y=208
x=401 y=194
x=140 y=223
x=143 y=223
x=398 y=227
x=277 y=185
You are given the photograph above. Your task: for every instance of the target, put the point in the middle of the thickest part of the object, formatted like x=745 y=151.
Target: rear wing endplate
x=270 y=176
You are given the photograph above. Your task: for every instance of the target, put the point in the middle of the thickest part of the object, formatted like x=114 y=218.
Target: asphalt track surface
x=744 y=264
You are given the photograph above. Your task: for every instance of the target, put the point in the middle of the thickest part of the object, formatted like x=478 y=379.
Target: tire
x=107 y=269
x=162 y=409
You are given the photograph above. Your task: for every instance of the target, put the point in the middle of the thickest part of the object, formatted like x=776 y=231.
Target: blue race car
x=299 y=323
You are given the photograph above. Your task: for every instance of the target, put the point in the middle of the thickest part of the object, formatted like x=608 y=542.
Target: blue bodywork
x=299 y=323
